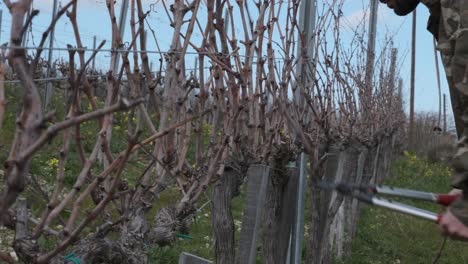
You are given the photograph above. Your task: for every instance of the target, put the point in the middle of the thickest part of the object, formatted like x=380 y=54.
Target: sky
x=94 y=20
x=426 y=93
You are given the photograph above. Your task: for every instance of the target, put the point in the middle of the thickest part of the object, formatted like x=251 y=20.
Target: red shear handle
x=446 y=199
x=439 y=218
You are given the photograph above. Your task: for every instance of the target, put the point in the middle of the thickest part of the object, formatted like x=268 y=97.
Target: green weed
x=388 y=237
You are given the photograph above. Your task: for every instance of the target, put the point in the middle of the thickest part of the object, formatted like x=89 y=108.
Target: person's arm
x=401 y=7
x=455 y=221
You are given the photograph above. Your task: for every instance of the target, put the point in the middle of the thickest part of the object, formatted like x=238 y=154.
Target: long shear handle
x=442 y=199
x=399 y=207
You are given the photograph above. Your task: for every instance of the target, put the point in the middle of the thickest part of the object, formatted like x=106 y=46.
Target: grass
x=387 y=237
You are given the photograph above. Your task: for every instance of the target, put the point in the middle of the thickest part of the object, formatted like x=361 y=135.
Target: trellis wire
x=146 y=51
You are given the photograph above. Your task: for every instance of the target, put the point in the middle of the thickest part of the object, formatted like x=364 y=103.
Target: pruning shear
x=367 y=194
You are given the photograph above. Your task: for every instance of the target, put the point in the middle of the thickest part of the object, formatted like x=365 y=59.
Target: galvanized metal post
x=122 y=20
x=298 y=227
x=25 y=33
x=374 y=7
x=307 y=18
x=445 y=114
x=226 y=20
x=94 y=48
x=48 y=90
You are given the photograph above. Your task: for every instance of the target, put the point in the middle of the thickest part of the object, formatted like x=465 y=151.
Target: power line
x=88 y=76
x=51 y=79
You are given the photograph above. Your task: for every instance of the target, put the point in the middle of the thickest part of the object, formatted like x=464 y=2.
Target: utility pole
x=1 y=18
x=48 y=90
x=445 y=114
x=438 y=81
x=413 y=69
x=94 y=48
x=122 y=20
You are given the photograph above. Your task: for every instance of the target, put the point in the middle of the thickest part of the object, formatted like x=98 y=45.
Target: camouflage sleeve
x=459 y=209
x=460 y=180
x=453 y=45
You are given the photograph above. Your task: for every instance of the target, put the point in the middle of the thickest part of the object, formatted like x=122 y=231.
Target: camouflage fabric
x=449 y=24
